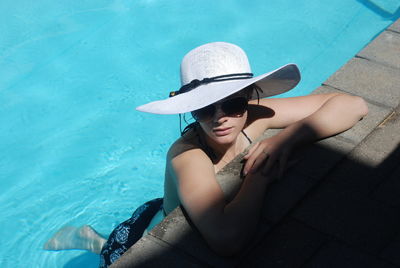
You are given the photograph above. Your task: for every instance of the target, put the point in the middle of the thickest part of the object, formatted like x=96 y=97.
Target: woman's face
x=223 y=128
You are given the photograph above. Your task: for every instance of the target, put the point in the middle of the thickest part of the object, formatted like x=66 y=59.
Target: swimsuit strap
x=247 y=137
x=209 y=151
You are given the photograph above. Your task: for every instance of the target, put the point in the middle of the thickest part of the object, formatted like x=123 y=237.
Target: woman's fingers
x=250 y=158
x=258 y=161
x=251 y=150
x=258 y=156
x=254 y=160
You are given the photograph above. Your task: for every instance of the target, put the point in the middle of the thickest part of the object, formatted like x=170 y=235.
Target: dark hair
x=250 y=91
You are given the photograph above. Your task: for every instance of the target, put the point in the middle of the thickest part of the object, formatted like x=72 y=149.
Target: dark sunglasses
x=232 y=107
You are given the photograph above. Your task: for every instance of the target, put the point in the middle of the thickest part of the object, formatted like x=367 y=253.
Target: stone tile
x=229 y=177
x=325 y=89
x=336 y=254
x=263 y=229
x=375 y=116
x=289 y=245
x=175 y=230
x=384 y=49
x=395 y=26
x=369 y=80
x=317 y=160
x=284 y=194
x=373 y=160
x=148 y=252
x=391 y=252
x=388 y=192
x=350 y=217
x=356 y=176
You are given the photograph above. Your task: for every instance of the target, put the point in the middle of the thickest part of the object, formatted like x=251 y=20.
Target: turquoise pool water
x=74 y=151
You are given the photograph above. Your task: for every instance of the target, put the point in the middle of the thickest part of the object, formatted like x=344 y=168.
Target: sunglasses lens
x=235 y=107
x=231 y=107
x=204 y=114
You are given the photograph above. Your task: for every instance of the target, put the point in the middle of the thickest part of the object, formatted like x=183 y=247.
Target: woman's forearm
x=336 y=115
x=243 y=212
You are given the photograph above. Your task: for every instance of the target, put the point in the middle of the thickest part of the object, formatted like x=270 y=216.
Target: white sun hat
x=214 y=71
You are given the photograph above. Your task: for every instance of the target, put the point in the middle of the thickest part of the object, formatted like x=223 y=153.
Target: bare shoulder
x=185 y=150
x=183 y=146
x=190 y=176
x=185 y=160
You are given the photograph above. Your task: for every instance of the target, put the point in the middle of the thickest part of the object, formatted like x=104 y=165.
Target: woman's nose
x=219 y=115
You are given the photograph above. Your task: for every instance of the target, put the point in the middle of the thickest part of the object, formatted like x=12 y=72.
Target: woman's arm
x=305 y=120
x=225 y=226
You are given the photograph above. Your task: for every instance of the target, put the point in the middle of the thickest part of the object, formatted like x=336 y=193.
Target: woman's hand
x=266 y=154
x=305 y=120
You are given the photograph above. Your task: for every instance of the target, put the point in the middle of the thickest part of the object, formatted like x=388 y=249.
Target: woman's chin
x=224 y=139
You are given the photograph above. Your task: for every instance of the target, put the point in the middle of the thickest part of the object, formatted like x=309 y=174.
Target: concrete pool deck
x=338 y=207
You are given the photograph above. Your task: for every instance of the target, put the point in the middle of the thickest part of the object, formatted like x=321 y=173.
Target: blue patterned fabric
x=129 y=232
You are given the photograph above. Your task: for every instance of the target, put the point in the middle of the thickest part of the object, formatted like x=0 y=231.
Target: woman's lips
x=222 y=131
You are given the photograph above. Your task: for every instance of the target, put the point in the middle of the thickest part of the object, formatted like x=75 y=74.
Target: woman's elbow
x=355 y=106
x=360 y=107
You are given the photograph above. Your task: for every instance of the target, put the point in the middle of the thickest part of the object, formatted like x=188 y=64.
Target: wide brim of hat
x=273 y=83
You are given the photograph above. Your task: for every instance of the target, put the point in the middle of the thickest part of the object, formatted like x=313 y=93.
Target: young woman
x=230 y=112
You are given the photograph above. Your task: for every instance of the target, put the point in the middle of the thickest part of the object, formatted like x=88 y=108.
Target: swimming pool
x=73 y=149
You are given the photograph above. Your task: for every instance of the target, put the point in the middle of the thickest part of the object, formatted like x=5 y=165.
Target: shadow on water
x=85 y=260
x=382 y=10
